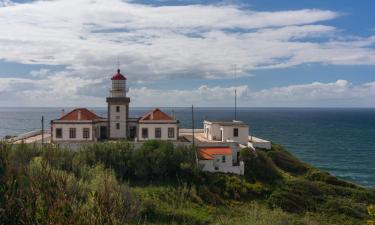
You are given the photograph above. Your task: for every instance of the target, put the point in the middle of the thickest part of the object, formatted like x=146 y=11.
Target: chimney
x=173 y=115
x=62 y=113
x=79 y=114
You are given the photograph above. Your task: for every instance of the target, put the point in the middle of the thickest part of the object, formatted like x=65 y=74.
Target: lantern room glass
x=118 y=85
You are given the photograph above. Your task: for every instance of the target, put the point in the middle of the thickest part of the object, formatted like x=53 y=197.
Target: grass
x=105 y=184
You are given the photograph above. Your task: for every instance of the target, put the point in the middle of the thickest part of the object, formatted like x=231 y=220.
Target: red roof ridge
x=80 y=114
x=207 y=153
x=156 y=114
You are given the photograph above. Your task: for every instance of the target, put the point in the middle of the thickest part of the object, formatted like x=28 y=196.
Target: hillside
x=111 y=183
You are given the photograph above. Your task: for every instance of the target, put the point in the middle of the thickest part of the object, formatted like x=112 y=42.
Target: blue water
x=341 y=141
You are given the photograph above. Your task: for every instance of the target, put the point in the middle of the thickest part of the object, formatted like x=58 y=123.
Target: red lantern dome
x=118 y=76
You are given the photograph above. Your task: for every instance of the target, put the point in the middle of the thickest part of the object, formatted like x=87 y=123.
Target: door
x=221 y=135
x=132 y=132
x=103 y=133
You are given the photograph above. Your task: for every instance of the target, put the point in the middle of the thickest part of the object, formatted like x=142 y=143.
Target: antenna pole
x=42 y=130
x=192 y=125
x=235 y=104
x=235 y=92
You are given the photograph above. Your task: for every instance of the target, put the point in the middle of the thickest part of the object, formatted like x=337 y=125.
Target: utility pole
x=192 y=125
x=42 y=130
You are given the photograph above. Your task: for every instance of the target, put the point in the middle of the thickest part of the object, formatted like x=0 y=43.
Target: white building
x=84 y=125
x=157 y=125
x=79 y=125
x=227 y=131
x=220 y=159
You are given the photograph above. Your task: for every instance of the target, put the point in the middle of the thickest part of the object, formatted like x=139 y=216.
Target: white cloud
x=169 y=41
x=158 y=43
x=337 y=94
x=62 y=90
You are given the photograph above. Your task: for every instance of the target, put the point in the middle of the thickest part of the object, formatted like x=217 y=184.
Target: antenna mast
x=235 y=92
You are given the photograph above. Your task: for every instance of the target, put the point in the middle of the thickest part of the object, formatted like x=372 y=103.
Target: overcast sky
x=314 y=53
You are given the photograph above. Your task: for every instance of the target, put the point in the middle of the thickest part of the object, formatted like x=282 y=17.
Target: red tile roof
x=208 y=153
x=80 y=114
x=156 y=114
x=118 y=76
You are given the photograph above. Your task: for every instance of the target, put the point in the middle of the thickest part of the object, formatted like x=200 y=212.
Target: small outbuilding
x=220 y=159
x=226 y=131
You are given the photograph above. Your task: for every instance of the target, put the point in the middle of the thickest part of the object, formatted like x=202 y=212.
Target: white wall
x=79 y=132
x=118 y=117
x=214 y=133
x=151 y=130
x=216 y=165
x=243 y=134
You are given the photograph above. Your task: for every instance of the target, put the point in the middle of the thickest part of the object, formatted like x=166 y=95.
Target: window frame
x=158 y=131
x=235 y=132
x=117 y=108
x=223 y=159
x=144 y=132
x=117 y=126
x=171 y=132
x=60 y=132
x=72 y=133
x=86 y=133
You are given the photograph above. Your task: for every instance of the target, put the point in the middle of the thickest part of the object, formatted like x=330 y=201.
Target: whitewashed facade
x=79 y=125
x=223 y=131
x=157 y=125
x=220 y=159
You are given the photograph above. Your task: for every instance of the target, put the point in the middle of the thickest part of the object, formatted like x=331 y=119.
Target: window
x=118 y=126
x=59 y=133
x=235 y=132
x=223 y=159
x=144 y=133
x=170 y=132
x=158 y=132
x=117 y=108
x=86 y=133
x=72 y=133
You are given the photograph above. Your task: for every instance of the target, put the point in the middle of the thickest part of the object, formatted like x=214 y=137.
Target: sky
x=295 y=53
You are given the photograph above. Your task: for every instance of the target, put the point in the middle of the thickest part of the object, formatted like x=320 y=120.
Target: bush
x=317 y=175
x=287 y=162
x=297 y=196
x=260 y=167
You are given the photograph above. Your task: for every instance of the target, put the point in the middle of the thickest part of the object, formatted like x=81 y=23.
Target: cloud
x=156 y=43
x=61 y=90
x=159 y=42
x=57 y=90
x=337 y=94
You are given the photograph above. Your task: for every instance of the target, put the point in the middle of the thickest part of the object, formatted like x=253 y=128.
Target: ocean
x=338 y=140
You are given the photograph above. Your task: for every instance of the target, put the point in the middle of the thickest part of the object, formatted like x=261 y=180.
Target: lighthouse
x=118 y=107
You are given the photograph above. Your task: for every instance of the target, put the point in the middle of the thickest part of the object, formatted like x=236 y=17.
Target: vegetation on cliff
x=112 y=183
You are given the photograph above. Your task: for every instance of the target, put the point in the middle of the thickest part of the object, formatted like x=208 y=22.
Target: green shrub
x=317 y=175
x=297 y=196
x=348 y=208
x=259 y=167
x=285 y=161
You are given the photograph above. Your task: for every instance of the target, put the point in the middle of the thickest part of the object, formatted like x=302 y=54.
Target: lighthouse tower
x=118 y=108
